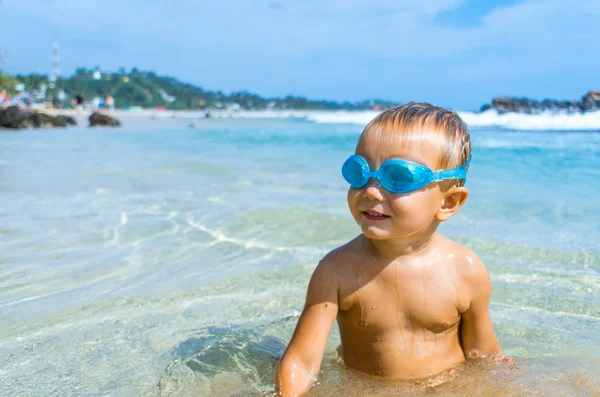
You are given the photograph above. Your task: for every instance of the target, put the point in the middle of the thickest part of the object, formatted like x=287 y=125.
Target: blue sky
x=454 y=53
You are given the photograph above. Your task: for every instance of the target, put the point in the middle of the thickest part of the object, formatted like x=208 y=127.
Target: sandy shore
x=184 y=114
x=152 y=119
x=140 y=119
x=145 y=119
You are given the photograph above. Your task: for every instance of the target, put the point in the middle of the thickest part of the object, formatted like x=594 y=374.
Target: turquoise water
x=159 y=259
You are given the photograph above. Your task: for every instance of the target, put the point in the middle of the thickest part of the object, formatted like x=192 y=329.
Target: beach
x=170 y=256
x=545 y=121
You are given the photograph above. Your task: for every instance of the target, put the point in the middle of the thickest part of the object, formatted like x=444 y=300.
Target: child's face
x=406 y=215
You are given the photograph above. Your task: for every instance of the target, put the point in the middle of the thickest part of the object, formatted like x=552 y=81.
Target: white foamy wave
x=261 y=114
x=544 y=121
x=342 y=117
x=224 y=114
x=515 y=121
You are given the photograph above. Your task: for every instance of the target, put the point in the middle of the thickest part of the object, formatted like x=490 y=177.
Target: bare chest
x=413 y=300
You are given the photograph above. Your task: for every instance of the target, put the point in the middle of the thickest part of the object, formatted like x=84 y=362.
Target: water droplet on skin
x=362 y=323
x=373 y=307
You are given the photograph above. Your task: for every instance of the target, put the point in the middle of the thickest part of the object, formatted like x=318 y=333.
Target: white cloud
x=386 y=28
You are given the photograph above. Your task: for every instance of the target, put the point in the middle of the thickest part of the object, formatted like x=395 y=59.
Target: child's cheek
x=404 y=204
x=418 y=207
x=353 y=200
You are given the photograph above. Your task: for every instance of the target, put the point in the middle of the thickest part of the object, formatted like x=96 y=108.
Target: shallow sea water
x=162 y=260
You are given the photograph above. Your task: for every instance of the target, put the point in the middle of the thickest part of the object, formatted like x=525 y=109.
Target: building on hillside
x=166 y=97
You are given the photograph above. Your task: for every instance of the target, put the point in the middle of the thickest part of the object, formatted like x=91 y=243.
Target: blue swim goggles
x=397 y=175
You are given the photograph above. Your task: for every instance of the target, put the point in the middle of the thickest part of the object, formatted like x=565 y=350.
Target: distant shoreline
x=145 y=119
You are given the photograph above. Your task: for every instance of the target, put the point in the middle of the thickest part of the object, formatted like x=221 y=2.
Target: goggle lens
x=352 y=171
x=396 y=177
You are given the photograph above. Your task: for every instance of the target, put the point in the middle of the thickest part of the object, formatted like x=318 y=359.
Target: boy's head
x=413 y=124
x=418 y=133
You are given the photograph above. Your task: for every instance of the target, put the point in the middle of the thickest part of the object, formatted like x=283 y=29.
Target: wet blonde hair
x=413 y=123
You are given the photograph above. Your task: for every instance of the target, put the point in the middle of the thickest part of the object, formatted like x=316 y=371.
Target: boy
x=410 y=303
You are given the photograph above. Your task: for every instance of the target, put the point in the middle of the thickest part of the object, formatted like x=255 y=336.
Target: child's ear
x=452 y=201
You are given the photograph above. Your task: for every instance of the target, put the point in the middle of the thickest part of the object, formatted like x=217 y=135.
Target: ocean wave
x=513 y=121
x=544 y=121
x=342 y=117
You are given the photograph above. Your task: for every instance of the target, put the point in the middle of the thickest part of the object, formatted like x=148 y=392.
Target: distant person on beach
x=79 y=101
x=410 y=303
x=4 y=98
x=109 y=103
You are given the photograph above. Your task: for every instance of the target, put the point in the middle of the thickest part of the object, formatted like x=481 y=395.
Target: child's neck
x=396 y=248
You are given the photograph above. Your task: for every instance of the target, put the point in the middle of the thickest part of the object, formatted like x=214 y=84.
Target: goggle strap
x=449 y=174
x=459 y=172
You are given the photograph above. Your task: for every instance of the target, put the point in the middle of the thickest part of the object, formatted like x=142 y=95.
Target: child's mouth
x=374 y=216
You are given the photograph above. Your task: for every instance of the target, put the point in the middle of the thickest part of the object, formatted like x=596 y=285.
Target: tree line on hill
x=149 y=90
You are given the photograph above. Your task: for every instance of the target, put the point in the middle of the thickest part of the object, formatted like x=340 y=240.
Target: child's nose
x=373 y=190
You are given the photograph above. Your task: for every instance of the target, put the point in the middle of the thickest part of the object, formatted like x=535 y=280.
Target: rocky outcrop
x=99 y=119
x=589 y=103
x=15 y=118
x=42 y=120
x=67 y=119
x=12 y=118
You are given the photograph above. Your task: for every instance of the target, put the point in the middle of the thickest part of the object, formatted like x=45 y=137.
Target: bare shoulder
x=471 y=271
x=468 y=263
x=338 y=259
x=337 y=265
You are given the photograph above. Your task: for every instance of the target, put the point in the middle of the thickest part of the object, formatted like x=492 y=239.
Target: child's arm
x=301 y=362
x=477 y=333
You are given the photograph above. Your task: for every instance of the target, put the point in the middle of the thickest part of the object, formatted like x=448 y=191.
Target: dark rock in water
x=13 y=118
x=42 y=120
x=589 y=103
x=516 y=105
x=98 y=119
x=16 y=118
x=67 y=119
